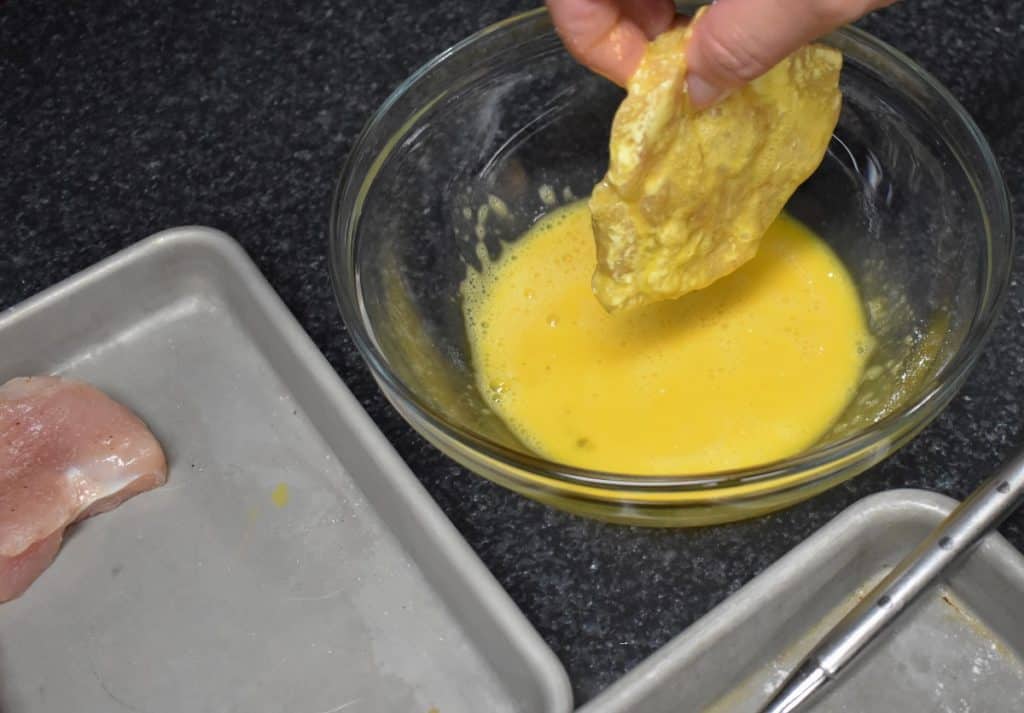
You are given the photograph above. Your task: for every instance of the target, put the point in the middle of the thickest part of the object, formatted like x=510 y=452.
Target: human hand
x=736 y=41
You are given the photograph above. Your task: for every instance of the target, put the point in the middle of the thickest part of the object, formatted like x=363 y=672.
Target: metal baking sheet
x=291 y=563
x=960 y=649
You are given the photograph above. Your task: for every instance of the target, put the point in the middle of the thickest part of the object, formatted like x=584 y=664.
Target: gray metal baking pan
x=960 y=649
x=291 y=563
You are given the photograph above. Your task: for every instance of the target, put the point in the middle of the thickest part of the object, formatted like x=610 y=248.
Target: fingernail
x=702 y=92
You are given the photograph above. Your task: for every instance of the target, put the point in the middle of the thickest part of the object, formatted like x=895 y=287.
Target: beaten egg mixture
x=702 y=330
x=752 y=368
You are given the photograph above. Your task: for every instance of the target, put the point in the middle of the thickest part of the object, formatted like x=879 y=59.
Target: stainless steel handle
x=982 y=511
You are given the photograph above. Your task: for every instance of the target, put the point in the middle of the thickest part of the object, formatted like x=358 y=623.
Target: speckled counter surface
x=122 y=118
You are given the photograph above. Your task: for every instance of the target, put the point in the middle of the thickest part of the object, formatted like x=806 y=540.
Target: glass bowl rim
x=937 y=392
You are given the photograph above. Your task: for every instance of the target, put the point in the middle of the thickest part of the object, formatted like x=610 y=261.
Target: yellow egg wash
x=753 y=368
x=280 y=495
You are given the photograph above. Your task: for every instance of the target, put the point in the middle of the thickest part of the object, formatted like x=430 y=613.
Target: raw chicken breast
x=67 y=451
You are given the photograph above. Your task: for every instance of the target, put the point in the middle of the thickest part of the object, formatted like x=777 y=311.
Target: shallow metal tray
x=291 y=563
x=959 y=649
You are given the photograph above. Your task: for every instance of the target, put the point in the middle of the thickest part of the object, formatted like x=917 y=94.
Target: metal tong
x=982 y=511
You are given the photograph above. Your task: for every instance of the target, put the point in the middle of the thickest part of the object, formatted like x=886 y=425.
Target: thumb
x=738 y=40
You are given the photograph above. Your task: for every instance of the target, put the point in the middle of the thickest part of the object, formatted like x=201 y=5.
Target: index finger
x=610 y=36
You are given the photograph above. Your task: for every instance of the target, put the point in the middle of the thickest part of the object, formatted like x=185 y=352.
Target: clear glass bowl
x=909 y=196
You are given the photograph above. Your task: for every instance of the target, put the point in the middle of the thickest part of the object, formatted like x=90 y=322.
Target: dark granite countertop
x=123 y=118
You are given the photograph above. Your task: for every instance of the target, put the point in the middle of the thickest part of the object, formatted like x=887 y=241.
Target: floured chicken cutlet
x=689 y=194
x=67 y=451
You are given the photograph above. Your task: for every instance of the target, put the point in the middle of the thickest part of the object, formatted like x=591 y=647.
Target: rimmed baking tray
x=959 y=649
x=291 y=563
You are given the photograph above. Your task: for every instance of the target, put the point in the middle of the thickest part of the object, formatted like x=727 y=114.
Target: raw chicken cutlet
x=67 y=451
